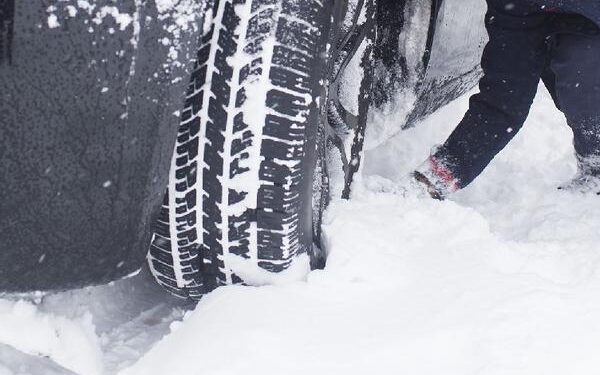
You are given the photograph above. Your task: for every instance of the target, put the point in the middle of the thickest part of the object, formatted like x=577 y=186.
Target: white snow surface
x=503 y=278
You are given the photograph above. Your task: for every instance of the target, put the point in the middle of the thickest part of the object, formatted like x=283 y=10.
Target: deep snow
x=503 y=278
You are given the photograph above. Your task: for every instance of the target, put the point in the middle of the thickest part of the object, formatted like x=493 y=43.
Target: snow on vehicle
x=273 y=124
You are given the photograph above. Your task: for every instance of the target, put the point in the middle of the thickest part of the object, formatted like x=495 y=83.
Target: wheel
x=239 y=205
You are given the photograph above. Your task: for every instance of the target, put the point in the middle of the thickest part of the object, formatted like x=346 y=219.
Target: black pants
x=521 y=50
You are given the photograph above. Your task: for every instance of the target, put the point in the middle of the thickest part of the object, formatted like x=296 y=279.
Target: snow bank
x=502 y=279
x=71 y=343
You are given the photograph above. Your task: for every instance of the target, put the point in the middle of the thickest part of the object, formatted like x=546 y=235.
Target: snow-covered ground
x=503 y=278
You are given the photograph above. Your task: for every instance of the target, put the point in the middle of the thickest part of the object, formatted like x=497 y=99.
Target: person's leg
x=576 y=64
x=512 y=62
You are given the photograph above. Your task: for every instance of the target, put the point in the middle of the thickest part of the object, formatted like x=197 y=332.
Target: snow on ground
x=503 y=278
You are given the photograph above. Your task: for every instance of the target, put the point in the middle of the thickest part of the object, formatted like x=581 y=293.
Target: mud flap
x=453 y=56
x=428 y=50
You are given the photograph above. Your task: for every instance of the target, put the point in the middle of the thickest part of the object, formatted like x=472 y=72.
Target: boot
x=436 y=178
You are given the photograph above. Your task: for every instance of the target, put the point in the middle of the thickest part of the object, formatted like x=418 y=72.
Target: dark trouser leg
x=576 y=65
x=512 y=62
x=549 y=79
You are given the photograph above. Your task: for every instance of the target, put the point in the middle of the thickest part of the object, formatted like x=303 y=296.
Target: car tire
x=239 y=205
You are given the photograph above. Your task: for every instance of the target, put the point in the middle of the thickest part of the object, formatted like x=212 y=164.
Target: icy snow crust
x=501 y=279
